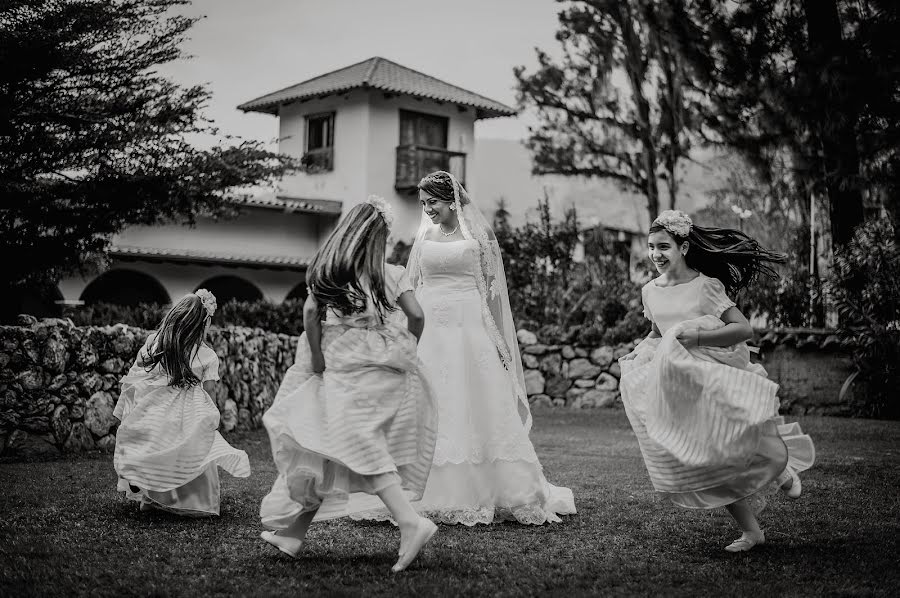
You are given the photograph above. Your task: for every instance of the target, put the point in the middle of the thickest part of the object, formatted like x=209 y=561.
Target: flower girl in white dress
x=168 y=448
x=485 y=467
x=706 y=418
x=353 y=414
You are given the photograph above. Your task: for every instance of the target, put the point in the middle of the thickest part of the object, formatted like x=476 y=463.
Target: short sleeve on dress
x=396 y=281
x=647 y=313
x=713 y=299
x=210 y=362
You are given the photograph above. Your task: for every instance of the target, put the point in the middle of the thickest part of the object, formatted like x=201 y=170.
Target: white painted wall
x=181 y=279
x=258 y=231
x=351 y=130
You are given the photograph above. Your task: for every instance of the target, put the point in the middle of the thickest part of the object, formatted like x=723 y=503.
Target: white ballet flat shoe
x=424 y=532
x=795 y=489
x=281 y=543
x=746 y=542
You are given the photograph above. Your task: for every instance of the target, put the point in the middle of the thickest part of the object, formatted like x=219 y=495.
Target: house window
x=423 y=149
x=319 y=155
x=423 y=129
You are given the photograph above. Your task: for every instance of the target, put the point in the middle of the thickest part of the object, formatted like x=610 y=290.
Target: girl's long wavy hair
x=733 y=257
x=177 y=341
x=350 y=265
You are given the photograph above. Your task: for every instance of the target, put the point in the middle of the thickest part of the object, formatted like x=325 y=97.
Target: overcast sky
x=246 y=48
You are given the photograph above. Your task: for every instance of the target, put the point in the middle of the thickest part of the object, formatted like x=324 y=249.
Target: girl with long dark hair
x=353 y=415
x=168 y=449
x=706 y=418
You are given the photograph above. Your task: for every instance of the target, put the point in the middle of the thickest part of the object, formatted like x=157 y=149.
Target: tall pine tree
x=815 y=80
x=94 y=139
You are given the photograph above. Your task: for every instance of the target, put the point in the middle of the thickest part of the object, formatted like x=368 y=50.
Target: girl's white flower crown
x=676 y=222
x=383 y=207
x=208 y=300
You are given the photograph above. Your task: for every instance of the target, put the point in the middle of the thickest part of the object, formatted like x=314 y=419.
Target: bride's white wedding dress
x=485 y=468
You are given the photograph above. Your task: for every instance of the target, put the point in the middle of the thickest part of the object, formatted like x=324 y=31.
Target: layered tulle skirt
x=168 y=448
x=367 y=422
x=707 y=422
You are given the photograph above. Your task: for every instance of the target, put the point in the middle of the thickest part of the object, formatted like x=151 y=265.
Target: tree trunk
x=836 y=118
x=636 y=70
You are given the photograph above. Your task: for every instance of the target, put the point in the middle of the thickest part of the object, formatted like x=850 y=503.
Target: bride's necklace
x=441 y=226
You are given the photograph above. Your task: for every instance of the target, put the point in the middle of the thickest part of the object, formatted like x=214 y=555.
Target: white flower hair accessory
x=676 y=222
x=208 y=300
x=383 y=207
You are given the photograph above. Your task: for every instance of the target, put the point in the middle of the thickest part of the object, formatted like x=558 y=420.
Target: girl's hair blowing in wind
x=178 y=340
x=350 y=265
x=733 y=257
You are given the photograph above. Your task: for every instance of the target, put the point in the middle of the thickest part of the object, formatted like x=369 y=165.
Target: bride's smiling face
x=439 y=211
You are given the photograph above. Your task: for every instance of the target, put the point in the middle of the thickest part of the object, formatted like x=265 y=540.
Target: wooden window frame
x=319 y=159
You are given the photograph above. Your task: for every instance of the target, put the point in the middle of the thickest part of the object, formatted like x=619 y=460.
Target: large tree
x=618 y=103
x=93 y=138
x=814 y=80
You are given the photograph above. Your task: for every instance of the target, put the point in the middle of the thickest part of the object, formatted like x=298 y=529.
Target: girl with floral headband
x=706 y=418
x=353 y=418
x=168 y=449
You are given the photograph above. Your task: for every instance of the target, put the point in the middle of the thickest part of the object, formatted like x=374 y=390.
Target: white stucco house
x=372 y=127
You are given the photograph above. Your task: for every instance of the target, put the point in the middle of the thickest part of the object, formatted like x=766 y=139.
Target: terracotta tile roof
x=275 y=262
x=382 y=74
x=290 y=204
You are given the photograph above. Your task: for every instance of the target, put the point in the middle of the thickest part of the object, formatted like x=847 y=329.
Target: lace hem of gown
x=511 y=454
x=472 y=516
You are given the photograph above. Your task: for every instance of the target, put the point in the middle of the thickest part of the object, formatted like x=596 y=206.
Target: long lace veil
x=491 y=281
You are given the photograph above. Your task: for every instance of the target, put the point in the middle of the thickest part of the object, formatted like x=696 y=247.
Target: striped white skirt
x=168 y=446
x=707 y=420
x=367 y=422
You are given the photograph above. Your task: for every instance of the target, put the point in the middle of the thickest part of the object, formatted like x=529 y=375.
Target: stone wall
x=809 y=365
x=569 y=376
x=59 y=383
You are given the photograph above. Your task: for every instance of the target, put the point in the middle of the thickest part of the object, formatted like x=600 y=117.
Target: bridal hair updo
x=439 y=185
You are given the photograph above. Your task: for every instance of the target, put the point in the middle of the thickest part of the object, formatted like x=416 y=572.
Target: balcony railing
x=415 y=161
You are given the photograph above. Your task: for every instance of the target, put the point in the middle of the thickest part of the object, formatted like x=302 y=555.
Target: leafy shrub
x=144 y=315
x=589 y=302
x=865 y=287
x=794 y=299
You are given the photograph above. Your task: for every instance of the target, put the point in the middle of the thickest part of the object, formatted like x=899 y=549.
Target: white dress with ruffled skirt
x=706 y=418
x=168 y=448
x=367 y=422
x=485 y=468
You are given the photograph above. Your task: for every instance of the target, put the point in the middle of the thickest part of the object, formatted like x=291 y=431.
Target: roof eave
x=483 y=113
x=272 y=107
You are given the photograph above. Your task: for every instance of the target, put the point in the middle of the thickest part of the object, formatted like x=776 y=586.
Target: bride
x=485 y=468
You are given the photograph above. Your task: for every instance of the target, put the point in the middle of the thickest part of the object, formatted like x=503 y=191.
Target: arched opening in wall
x=298 y=293
x=125 y=287
x=40 y=302
x=231 y=288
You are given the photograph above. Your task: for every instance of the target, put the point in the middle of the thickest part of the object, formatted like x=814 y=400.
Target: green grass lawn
x=65 y=531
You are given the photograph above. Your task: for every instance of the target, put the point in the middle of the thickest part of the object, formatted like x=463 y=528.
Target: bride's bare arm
x=313 y=328
x=415 y=317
